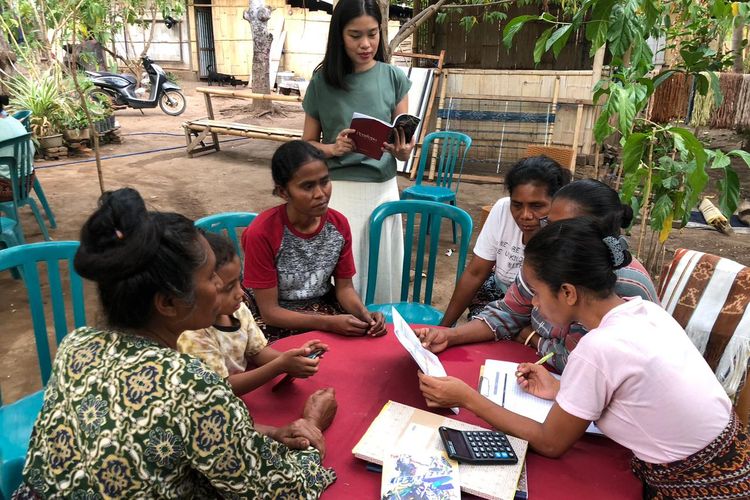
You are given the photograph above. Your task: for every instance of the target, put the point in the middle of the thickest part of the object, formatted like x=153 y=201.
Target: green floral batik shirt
x=124 y=417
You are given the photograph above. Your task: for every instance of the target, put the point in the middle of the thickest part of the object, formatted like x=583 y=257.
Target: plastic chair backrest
x=20 y=165
x=52 y=253
x=431 y=214
x=23 y=116
x=453 y=148
x=227 y=223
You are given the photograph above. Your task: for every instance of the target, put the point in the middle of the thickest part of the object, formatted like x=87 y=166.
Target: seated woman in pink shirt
x=636 y=374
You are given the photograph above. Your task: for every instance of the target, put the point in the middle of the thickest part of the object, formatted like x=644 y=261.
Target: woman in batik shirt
x=125 y=415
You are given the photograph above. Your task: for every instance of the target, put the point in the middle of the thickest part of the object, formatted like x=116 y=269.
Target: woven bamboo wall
x=526 y=92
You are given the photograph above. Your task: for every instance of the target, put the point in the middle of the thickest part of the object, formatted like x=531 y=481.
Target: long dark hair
x=132 y=254
x=336 y=64
x=595 y=198
x=288 y=158
x=538 y=170
x=574 y=251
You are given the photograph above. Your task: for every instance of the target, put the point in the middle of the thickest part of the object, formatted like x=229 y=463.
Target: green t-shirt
x=375 y=92
x=10 y=128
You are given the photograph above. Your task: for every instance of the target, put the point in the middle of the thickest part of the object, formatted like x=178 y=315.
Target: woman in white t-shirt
x=636 y=374
x=498 y=252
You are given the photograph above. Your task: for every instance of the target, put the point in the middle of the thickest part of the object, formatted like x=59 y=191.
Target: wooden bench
x=198 y=131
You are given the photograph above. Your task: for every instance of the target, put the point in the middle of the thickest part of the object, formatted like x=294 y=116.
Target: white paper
x=427 y=361
x=498 y=384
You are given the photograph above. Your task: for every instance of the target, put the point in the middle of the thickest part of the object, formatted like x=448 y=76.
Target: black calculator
x=478 y=447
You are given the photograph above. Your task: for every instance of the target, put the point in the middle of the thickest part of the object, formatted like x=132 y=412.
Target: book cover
x=418 y=475
x=399 y=427
x=370 y=133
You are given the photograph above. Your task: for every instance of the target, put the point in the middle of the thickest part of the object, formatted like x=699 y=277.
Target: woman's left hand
x=446 y=392
x=400 y=149
x=377 y=324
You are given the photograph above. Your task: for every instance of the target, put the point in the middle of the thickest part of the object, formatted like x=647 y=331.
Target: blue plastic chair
x=17 y=419
x=9 y=238
x=416 y=309
x=24 y=116
x=227 y=223
x=453 y=147
x=22 y=181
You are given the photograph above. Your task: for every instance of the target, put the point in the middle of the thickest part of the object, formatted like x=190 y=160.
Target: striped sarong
x=721 y=470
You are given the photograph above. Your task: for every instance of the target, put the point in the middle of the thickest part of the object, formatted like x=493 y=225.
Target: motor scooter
x=124 y=89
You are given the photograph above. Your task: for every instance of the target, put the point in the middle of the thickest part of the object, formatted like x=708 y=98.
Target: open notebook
x=497 y=382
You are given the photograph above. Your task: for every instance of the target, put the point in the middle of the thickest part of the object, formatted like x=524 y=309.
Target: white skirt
x=357 y=200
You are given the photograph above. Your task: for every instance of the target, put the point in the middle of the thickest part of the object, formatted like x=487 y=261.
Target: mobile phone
x=478 y=447
x=288 y=378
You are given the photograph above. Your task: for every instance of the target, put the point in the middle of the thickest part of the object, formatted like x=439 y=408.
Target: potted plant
x=44 y=97
x=76 y=126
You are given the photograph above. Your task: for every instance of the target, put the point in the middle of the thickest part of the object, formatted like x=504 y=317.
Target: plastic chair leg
x=39 y=220
x=9 y=210
x=454 y=225
x=43 y=200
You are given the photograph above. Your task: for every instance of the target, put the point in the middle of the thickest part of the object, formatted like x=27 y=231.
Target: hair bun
x=119 y=239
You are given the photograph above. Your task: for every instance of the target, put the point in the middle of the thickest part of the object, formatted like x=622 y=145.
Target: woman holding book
x=353 y=78
x=636 y=374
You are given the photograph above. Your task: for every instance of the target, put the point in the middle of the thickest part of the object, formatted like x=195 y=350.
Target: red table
x=367 y=372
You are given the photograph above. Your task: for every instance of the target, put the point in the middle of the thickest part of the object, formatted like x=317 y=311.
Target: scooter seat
x=129 y=78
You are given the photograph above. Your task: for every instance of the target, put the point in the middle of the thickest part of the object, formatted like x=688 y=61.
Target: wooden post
x=576 y=133
x=439 y=123
x=555 y=96
x=427 y=114
x=210 y=111
x=591 y=114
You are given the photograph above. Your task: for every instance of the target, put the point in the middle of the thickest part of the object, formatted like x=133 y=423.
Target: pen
x=541 y=361
x=545 y=358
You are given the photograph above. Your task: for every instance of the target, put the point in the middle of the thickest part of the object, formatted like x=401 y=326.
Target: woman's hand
x=299 y=435
x=376 y=321
x=346 y=324
x=433 y=339
x=320 y=408
x=536 y=380
x=400 y=148
x=344 y=144
x=296 y=363
x=445 y=392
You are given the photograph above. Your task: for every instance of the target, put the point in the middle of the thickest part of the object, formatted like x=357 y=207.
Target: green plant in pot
x=76 y=126
x=43 y=96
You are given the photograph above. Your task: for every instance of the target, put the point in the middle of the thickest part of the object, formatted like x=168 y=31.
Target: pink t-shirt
x=639 y=377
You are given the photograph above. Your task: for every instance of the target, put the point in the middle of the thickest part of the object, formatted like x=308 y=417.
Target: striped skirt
x=721 y=470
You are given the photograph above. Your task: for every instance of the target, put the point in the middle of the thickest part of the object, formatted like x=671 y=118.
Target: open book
x=370 y=133
x=401 y=427
x=497 y=382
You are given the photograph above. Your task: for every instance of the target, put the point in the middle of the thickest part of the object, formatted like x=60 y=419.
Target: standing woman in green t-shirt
x=353 y=77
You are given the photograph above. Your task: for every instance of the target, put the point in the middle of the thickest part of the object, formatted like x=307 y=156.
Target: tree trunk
x=257 y=14
x=739 y=29
x=383 y=6
x=409 y=27
x=7 y=58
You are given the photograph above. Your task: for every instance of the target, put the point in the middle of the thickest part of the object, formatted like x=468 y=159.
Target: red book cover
x=370 y=133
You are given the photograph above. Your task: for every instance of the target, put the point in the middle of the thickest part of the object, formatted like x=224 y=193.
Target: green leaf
x=686 y=141
x=720 y=160
x=602 y=128
x=663 y=76
x=558 y=39
x=541 y=43
x=514 y=26
x=596 y=29
x=625 y=111
x=467 y=22
x=660 y=211
x=729 y=192
x=739 y=153
x=440 y=17
x=718 y=96
x=632 y=152
x=623 y=28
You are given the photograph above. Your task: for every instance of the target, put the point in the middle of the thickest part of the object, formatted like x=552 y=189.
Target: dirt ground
x=152 y=159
